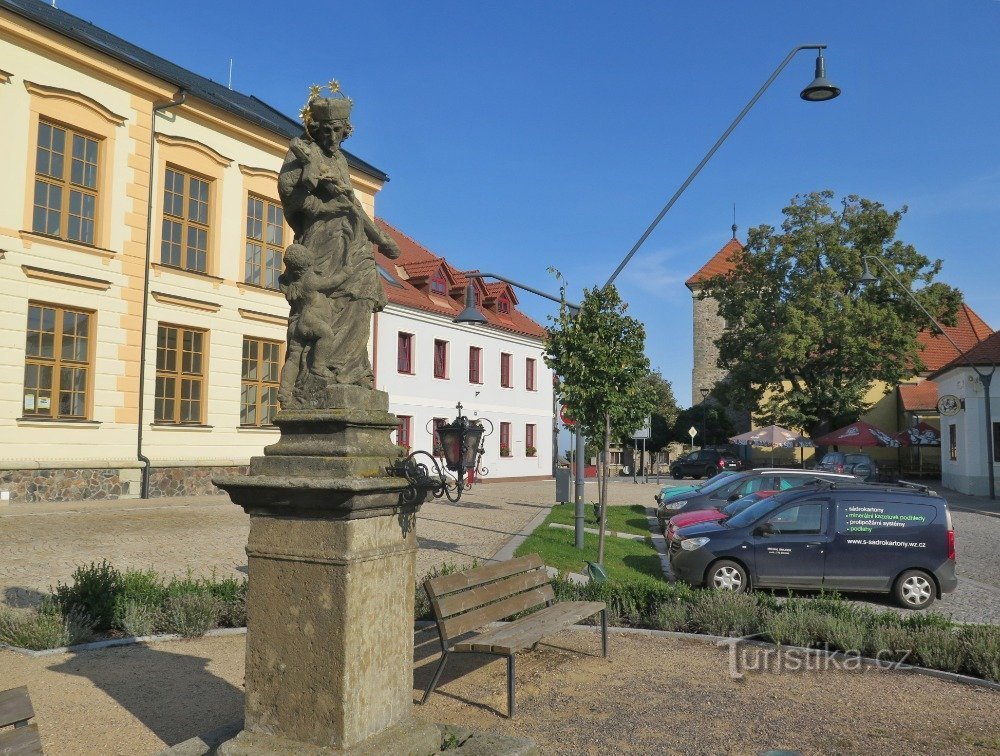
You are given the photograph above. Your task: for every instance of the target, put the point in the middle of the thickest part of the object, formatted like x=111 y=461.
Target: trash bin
x=562 y=485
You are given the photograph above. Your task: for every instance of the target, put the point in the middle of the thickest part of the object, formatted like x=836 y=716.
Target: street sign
x=562 y=416
x=644 y=431
x=692 y=432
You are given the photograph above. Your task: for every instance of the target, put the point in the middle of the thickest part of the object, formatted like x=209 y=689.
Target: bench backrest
x=466 y=600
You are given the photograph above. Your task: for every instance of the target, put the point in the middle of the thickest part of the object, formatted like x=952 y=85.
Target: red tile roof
x=414 y=256
x=722 y=262
x=985 y=353
x=922 y=396
x=969 y=330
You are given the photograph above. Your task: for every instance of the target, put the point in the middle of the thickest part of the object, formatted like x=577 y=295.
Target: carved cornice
x=178 y=141
x=5 y=76
x=263 y=317
x=71 y=279
x=57 y=93
x=249 y=170
x=194 y=304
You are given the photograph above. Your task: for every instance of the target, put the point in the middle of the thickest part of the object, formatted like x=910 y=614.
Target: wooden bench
x=467 y=601
x=15 y=709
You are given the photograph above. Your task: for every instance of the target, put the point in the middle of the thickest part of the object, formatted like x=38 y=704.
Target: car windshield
x=832 y=458
x=856 y=459
x=754 y=512
x=720 y=480
x=735 y=507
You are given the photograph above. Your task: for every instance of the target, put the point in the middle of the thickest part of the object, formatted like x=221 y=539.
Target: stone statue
x=330 y=279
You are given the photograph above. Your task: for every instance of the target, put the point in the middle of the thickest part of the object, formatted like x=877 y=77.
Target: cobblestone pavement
x=977 y=537
x=44 y=543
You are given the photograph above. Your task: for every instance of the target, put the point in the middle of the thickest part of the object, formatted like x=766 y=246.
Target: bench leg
x=604 y=632
x=510 y=686
x=437 y=676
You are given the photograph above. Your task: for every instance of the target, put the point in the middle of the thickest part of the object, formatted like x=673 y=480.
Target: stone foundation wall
x=78 y=484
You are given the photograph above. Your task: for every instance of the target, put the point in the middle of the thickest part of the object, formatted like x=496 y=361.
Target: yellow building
x=114 y=158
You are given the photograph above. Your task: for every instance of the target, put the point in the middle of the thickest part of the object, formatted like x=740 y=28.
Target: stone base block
x=412 y=737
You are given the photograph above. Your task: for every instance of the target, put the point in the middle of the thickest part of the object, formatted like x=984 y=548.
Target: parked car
x=860 y=465
x=704 y=463
x=857 y=537
x=717 y=493
x=713 y=515
x=669 y=491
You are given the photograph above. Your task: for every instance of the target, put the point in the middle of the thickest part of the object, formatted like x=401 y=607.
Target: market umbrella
x=920 y=434
x=858 y=434
x=772 y=435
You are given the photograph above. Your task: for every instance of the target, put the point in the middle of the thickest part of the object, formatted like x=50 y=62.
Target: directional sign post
x=692 y=432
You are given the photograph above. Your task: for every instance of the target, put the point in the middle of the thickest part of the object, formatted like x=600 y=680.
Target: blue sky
x=525 y=135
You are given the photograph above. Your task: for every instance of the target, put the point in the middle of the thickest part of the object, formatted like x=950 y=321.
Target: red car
x=710 y=515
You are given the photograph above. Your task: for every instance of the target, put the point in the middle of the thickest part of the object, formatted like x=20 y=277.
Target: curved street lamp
x=868 y=277
x=819 y=90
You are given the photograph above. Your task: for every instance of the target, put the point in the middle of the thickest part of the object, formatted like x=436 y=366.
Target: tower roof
x=722 y=262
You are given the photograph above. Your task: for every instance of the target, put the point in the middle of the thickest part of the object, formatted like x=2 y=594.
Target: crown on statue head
x=318 y=108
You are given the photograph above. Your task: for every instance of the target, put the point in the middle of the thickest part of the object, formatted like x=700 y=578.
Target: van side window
x=802 y=519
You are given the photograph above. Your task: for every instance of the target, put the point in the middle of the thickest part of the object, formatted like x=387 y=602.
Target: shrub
x=137 y=618
x=982 y=651
x=232 y=595
x=138 y=588
x=889 y=641
x=671 y=616
x=843 y=633
x=939 y=648
x=39 y=629
x=796 y=624
x=190 y=614
x=92 y=591
x=726 y=613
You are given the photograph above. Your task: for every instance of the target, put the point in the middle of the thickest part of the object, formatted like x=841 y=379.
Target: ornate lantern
x=461 y=443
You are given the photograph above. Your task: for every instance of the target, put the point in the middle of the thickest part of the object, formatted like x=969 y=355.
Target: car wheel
x=914 y=590
x=676 y=473
x=727 y=575
x=710 y=471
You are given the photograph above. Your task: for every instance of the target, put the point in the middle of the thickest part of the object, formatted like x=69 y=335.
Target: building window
x=185 y=221
x=438 y=422
x=505 y=360
x=475 y=365
x=403 y=431
x=259 y=387
x=56 y=363
x=438 y=283
x=529 y=374
x=953 y=443
x=503 y=305
x=440 y=358
x=404 y=353
x=265 y=240
x=180 y=375
x=504 y=439
x=65 y=203
x=529 y=440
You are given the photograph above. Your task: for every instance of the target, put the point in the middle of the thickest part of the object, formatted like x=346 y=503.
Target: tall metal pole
x=578 y=487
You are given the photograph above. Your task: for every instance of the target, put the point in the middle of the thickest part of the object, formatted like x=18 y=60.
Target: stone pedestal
x=332 y=559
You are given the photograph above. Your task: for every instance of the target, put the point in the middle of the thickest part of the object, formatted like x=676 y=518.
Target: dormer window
x=503 y=305
x=438 y=283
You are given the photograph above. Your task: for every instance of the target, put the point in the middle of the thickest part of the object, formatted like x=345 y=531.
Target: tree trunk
x=604 y=489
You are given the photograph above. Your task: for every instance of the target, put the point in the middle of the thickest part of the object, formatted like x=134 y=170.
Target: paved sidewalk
x=44 y=543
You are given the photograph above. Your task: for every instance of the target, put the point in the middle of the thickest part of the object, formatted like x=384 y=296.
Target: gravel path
x=653 y=695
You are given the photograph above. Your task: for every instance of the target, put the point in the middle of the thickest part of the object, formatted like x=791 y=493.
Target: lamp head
x=821 y=88
x=471 y=313
x=867 y=276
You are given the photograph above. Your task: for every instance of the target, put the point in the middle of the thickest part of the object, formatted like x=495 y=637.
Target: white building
x=965 y=458
x=140 y=225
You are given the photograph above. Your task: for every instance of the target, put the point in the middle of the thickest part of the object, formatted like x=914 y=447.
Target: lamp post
x=819 y=90
x=471 y=314
x=985 y=377
x=704 y=415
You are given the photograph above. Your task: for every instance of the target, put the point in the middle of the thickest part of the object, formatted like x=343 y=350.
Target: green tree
x=599 y=355
x=804 y=340
x=663 y=415
x=711 y=421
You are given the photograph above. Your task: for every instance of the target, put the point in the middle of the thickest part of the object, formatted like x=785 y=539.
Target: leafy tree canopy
x=711 y=421
x=804 y=340
x=663 y=415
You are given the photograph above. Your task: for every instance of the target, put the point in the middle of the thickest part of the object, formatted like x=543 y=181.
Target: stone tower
x=708 y=325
